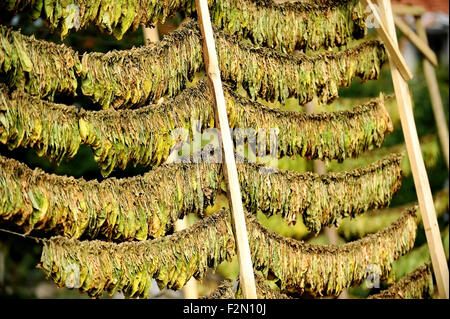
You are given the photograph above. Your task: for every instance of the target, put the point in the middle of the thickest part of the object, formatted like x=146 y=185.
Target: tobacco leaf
x=263 y=290
x=110 y=16
x=416 y=285
x=145 y=136
x=372 y=222
x=429 y=145
x=129 y=267
x=147 y=206
x=292 y=25
x=328 y=269
x=418 y=257
x=40 y=68
x=285 y=26
x=174 y=259
x=134 y=77
x=116 y=209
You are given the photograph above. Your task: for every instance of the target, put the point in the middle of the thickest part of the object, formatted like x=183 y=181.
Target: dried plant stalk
x=144 y=136
x=417 y=285
x=96 y=266
x=143 y=206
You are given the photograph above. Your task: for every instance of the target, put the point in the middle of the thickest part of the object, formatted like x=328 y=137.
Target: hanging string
x=37 y=240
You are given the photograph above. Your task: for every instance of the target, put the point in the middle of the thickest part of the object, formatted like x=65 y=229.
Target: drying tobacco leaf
x=143 y=206
x=429 y=145
x=118 y=209
x=416 y=285
x=418 y=257
x=173 y=260
x=130 y=267
x=39 y=67
x=126 y=78
x=223 y=291
x=321 y=199
x=292 y=25
x=374 y=221
x=328 y=269
x=111 y=16
x=263 y=290
x=287 y=26
x=145 y=136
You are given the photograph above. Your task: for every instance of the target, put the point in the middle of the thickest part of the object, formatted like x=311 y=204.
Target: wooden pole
x=151 y=35
x=435 y=96
x=402 y=9
x=417 y=165
x=417 y=41
x=391 y=45
x=247 y=278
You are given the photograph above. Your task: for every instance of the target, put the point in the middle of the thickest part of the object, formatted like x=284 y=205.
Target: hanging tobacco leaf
x=282 y=26
x=328 y=269
x=147 y=206
x=372 y=222
x=40 y=68
x=292 y=25
x=263 y=290
x=223 y=291
x=130 y=267
x=429 y=145
x=145 y=136
x=418 y=257
x=111 y=16
x=321 y=199
x=117 y=209
x=121 y=79
x=173 y=260
x=140 y=78
x=417 y=285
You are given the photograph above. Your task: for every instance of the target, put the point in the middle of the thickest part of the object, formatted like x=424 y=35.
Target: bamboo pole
x=435 y=96
x=247 y=279
x=417 y=165
x=402 y=9
x=417 y=41
x=391 y=46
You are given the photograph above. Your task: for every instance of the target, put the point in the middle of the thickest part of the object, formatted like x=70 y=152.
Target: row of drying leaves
x=144 y=136
x=311 y=24
x=147 y=206
x=121 y=79
x=175 y=258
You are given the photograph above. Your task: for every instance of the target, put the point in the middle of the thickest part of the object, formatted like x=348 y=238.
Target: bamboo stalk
x=402 y=9
x=435 y=96
x=230 y=170
x=417 y=41
x=417 y=164
x=391 y=45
